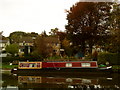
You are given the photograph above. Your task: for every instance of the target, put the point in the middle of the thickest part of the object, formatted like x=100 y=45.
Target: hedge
x=112 y=58
x=11 y=59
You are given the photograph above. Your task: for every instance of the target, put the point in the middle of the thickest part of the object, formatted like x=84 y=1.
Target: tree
x=114 y=41
x=16 y=36
x=44 y=34
x=41 y=47
x=54 y=31
x=87 y=23
x=12 y=49
x=67 y=46
x=61 y=35
x=32 y=34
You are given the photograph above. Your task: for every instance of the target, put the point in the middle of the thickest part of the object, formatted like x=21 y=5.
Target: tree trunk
x=83 y=47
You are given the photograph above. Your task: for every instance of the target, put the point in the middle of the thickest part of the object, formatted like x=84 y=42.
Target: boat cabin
x=58 y=64
x=70 y=64
x=30 y=65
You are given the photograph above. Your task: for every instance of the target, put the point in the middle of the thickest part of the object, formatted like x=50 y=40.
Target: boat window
x=23 y=65
x=38 y=64
x=68 y=64
x=85 y=64
x=32 y=65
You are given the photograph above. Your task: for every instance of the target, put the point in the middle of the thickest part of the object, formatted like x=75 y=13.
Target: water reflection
x=55 y=80
x=32 y=82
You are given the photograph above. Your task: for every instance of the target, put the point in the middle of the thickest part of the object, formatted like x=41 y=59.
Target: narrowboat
x=59 y=67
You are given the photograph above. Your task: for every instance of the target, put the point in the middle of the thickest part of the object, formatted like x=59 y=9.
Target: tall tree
x=115 y=29
x=41 y=47
x=87 y=23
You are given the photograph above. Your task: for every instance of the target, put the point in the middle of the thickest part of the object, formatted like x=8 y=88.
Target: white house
x=3 y=43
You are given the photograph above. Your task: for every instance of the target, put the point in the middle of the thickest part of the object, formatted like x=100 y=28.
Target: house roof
x=51 y=39
x=26 y=40
x=3 y=39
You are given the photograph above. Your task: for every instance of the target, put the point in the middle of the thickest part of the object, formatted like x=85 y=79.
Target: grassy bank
x=116 y=68
x=7 y=66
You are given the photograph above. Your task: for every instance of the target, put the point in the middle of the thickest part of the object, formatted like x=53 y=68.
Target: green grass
x=116 y=67
x=7 y=66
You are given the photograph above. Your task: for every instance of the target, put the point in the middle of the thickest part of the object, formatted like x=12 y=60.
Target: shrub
x=112 y=58
x=12 y=49
x=12 y=59
x=54 y=57
x=9 y=59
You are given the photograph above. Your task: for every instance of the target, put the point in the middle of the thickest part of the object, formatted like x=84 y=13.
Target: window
x=32 y=65
x=85 y=64
x=24 y=65
x=68 y=64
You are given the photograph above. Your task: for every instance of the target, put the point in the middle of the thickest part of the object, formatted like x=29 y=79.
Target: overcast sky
x=33 y=15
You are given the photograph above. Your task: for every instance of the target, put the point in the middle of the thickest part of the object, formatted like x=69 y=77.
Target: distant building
x=54 y=43
x=3 y=43
x=25 y=45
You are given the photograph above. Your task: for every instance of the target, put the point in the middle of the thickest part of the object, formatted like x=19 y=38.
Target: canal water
x=35 y=82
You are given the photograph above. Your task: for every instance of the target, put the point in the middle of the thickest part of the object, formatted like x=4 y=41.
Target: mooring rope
x=55 y=66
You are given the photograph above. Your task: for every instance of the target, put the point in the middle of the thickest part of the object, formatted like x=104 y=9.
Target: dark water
x=32 y=82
